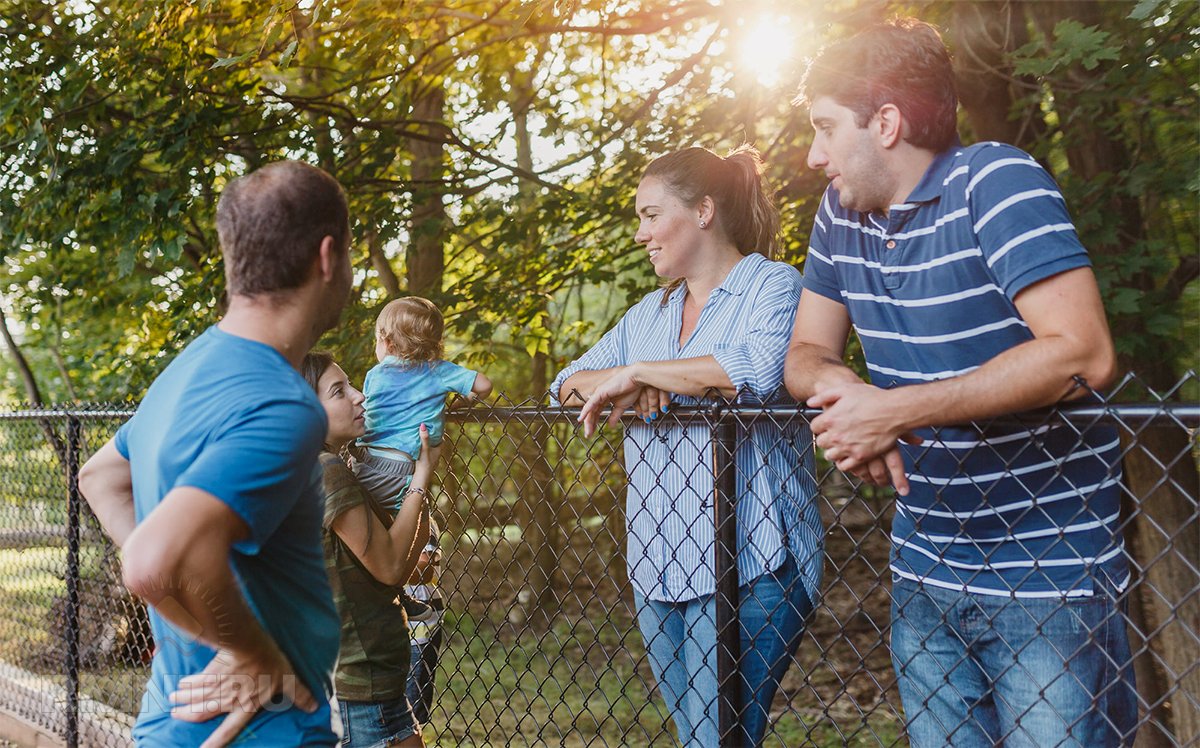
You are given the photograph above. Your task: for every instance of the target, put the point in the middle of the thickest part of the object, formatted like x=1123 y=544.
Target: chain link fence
x=541 y=643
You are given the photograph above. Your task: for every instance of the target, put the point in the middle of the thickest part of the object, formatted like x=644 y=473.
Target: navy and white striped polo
x=929 y=288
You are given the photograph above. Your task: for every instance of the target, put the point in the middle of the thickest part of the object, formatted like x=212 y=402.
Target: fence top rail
x=1149 y=413
x=1179 y=414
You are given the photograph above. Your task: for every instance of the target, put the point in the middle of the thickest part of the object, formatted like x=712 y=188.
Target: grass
x=570 y=685
x=576 y=683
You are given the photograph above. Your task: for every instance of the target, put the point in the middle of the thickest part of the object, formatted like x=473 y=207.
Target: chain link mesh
x=541 y=643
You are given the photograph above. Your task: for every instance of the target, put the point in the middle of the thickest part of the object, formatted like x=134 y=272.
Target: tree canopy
x=491 y=149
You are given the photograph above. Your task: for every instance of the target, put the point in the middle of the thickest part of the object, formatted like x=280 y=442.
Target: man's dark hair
x=271 y=223
x=902 y=62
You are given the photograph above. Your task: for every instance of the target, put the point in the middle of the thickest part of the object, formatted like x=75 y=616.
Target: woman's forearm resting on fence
x=578 y=387
x=645 y=387
x=695 y=377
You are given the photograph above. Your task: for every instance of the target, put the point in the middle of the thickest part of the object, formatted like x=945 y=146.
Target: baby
x=406 y=389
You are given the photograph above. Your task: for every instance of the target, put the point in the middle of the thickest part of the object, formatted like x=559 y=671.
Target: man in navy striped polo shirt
x=961 y=272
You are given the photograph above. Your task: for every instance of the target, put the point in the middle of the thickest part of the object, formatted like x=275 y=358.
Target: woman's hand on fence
x=652 y=403
x=620 y=390
x=239 y=685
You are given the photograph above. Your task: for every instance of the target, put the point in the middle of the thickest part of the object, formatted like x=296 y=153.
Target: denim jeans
x=420 y=677
x=681 y=641
x=374 y=724
x=984 y=670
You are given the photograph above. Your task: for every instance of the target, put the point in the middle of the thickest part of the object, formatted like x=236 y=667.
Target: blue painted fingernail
x=654 y=416
x=664 y=409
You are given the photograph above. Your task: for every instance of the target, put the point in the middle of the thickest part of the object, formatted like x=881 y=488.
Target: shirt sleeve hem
x=1040 y=273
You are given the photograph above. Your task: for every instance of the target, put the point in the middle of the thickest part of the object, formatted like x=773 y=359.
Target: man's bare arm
x=1071 y=339
x=106 y=483
x=178 y=560
x=814 y=364
x=814 y=357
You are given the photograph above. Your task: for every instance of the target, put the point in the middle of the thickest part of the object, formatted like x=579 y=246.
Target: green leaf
x=225 y=62
x=1143 y=10
x=125 y=260
x=288 y=52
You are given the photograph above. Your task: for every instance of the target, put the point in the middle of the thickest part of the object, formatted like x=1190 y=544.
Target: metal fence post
x=72 y=613
x=729 y=692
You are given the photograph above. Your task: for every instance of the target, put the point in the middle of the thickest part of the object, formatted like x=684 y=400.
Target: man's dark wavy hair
x=902 y=62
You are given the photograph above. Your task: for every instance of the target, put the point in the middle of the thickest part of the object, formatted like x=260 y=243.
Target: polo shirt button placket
x=891 y=281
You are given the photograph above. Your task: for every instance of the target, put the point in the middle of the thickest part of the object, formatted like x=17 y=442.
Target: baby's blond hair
x=411 y=328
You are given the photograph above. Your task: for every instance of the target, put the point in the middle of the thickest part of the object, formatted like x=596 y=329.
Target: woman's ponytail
x=745 y=207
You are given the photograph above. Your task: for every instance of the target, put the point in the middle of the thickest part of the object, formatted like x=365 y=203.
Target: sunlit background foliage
x=491 y=149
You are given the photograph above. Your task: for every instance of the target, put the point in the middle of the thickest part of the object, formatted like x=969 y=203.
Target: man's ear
x=889 y=125
x=327 y=259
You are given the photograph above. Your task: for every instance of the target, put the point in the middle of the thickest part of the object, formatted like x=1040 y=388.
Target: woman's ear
x=706 y=212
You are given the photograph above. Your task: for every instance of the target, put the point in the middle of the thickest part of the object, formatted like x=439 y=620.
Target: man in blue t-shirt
x=212 y=490
x=963 y=277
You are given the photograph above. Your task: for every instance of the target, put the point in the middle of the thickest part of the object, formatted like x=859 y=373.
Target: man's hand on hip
x=239 y=685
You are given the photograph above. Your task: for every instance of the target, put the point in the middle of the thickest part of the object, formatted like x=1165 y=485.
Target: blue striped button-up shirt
x=745 y=325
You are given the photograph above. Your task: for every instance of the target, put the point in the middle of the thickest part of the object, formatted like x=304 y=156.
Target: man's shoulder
x=988 y=156
x=219 y=380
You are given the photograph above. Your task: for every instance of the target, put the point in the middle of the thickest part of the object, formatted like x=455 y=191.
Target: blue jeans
x=420 y=677
x=374 y=724
x=981 y=670
x=681 y=641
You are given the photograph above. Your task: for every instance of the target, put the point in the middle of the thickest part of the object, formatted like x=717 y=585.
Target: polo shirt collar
x=931 y=184
x=740 y=278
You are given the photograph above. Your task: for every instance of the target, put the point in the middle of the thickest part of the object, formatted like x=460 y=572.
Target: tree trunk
x=537 y=503
x=1161 y=477
x=984 y=33
x=383 y=268
x=33 y=392
x=540 y=507
x=426 y=246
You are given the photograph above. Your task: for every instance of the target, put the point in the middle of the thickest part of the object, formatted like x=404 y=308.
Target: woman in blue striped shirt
x=720 y=325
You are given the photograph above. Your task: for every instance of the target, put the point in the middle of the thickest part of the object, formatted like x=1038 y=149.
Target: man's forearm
x=208 y=605
x=1035 y=374
x=178 y=560
x=810 y=368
